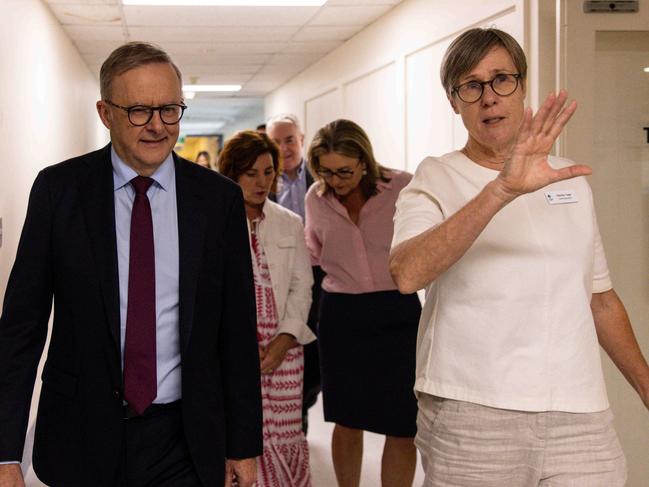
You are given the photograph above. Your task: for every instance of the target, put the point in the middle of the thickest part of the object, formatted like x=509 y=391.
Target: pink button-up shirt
x=354 y=257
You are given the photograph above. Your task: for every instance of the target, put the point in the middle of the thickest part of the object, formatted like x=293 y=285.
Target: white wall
x=47 y=112
x=386 y=78
x=602 y=56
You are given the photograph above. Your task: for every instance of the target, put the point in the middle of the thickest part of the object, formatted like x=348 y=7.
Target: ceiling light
x=211 y=88
x=189 y=95
x=228 y=3
x=646 y=70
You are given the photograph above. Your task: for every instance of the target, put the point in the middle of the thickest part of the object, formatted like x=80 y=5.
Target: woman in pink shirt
x=367 y=330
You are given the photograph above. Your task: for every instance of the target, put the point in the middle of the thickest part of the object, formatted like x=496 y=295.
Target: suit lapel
x=191 y=236
x=99 y=213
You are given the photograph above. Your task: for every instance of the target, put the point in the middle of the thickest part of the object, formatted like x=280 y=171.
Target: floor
x=322 y=472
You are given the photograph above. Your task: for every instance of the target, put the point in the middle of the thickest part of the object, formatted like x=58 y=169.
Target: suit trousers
x=463 y=444
x=155 y=452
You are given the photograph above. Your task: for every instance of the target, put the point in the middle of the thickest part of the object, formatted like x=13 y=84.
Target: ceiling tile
x=83 y=2
x=321 y=47
x=206 y=70
x=360 y=15
x=103 y=48
x=211 y=34
x=181 y=48
x=82 y=33
x=219 y=58
x=219 y=16
x=87 y=14
x=259 y=48
x=324 y=33
x=294 y=59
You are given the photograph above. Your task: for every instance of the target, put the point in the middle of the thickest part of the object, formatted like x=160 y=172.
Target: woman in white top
x=505 y=240
x=283 y=280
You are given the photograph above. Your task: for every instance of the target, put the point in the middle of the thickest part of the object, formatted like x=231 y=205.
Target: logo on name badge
x=561 y=197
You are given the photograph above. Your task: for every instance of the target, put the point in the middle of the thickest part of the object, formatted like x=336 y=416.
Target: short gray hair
x=284 y=118
x=129 y=56
x=467 y=50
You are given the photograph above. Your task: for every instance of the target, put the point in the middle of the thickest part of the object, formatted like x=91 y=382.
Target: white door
x=602 y=63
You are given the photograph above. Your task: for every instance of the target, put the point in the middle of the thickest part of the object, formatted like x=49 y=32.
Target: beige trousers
x=468 y=445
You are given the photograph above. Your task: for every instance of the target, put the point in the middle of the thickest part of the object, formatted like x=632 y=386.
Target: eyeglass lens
x=503 y=85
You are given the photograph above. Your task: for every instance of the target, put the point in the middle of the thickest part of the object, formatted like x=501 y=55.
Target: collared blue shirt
x=291 y=192
x=162 y=197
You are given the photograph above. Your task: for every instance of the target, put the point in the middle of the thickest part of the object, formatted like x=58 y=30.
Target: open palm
x=528 y=169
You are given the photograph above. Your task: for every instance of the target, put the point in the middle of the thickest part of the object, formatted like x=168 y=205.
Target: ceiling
x=259 y=48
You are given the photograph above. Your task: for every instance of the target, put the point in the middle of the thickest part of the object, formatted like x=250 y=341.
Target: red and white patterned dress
x=285 y=460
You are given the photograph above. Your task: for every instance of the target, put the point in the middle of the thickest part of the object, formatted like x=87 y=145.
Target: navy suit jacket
x=67 y=253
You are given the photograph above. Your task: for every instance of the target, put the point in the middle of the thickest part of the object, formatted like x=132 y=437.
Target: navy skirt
x=367 y=360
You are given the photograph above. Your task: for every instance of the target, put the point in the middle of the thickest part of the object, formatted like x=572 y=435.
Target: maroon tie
x=140 y=380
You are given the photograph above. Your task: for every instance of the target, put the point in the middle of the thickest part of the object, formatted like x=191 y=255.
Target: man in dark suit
x=152 y=373
x=294 y=182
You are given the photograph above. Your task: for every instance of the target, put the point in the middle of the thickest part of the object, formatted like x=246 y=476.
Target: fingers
x=526 y=125
x=228 y=475
x=572 y=172
x=543 y=113
x=269 y=364
x=555 y=108
x=562 y=120
x=553 y=115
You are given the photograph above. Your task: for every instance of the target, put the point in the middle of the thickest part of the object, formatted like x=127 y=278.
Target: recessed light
x=646 y=70
x=227 y=3
x=211 y=88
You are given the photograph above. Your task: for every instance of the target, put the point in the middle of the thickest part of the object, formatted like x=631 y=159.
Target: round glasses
x=503 y=84
x=140 y=115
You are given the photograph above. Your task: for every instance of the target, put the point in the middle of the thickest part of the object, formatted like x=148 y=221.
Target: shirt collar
x=123 y=173
x=300 y=172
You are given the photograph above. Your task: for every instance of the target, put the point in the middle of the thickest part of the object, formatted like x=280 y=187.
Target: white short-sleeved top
x=509 y=325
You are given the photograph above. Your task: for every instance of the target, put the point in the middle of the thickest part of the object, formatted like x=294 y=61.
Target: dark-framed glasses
x=343 y=173
x=140 y=115
x=503 y=84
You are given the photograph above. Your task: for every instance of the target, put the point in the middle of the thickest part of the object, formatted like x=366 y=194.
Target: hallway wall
x=386 y=78
x=47 y=110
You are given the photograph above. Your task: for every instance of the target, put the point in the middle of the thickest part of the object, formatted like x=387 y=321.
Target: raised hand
x=528 y=169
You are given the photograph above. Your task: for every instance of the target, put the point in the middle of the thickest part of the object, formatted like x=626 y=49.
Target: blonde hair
x=348 y=139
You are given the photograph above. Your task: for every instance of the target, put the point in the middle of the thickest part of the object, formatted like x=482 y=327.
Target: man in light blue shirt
x=295 y=179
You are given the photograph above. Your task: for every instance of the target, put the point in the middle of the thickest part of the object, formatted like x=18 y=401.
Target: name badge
x=561 y=197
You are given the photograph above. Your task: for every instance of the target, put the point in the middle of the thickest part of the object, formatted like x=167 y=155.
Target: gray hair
x=129 y=56
x=467 y=50
x=284 y=118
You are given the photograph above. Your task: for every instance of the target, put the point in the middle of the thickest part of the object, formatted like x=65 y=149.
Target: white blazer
x=281 y=235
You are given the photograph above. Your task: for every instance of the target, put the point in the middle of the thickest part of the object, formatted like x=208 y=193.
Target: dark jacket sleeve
x=238 y=347
x=23 y=325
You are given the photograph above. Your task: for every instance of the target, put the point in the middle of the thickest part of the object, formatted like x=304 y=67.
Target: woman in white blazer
x=283 y=280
